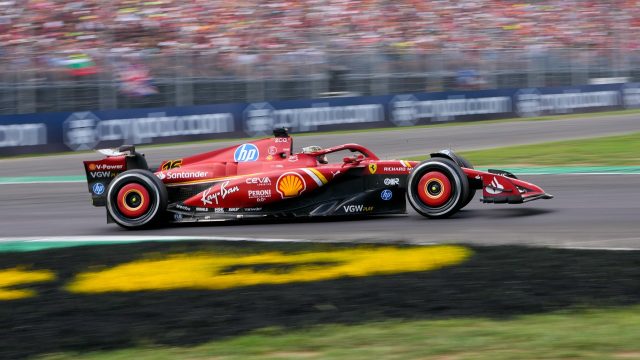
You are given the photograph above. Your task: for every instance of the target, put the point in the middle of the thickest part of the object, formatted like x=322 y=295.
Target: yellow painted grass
x=18 y=276
x=216 y=271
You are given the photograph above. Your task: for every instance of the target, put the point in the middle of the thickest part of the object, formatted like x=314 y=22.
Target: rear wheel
x=437 y=188
x=136 y=199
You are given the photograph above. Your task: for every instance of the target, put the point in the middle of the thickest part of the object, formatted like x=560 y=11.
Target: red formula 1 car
x=265 y=178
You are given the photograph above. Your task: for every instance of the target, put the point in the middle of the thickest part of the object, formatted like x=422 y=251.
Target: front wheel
x=437 y=188
x=136 y=199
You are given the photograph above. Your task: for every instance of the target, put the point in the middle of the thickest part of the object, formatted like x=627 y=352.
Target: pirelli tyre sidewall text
x=136 y=199
x=452 y=183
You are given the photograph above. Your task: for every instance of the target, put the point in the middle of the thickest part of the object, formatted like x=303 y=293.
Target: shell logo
x=290 y=184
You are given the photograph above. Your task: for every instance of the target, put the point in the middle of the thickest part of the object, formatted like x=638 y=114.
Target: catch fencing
x=36 y=83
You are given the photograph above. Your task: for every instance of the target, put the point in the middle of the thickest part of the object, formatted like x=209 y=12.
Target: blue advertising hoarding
x=50 y=132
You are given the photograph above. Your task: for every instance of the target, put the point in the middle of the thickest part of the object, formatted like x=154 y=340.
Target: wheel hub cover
x=133 y=200
x=434 y=189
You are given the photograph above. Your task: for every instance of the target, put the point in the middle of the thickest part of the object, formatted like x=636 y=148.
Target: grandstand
x=91 y=54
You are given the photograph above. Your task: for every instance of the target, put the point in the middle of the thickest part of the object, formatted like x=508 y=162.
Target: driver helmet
x=322 y=159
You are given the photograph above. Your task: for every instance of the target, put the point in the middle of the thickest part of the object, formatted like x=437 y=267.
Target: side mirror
x=353 y=159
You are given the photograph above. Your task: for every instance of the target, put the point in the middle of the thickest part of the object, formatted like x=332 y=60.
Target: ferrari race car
x=265 y=178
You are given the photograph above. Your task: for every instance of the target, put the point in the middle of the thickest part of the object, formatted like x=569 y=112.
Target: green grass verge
x=578 y=334
x=604 y=151
x=386 y=129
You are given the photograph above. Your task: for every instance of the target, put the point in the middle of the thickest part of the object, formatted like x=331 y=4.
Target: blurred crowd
x=167 y=26
x=135 y=41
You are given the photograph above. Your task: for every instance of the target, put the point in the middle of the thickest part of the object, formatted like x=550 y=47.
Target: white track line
x=124 y=238
x=130 y=239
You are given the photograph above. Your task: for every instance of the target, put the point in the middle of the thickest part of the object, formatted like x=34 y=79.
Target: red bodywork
x=266 y=178
x=265 y=171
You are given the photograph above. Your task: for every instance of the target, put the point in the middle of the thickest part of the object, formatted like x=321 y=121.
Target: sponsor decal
x=272 y=150
x=102 y=174
x=392 y=181
x=386 y=195
x=357 y=208
x=336 y=173
x=201 y=209
x=293 y=158
x=269 y=157
x=290 y=184
x=177 y=217
x=171 y=164
x=246 y=153
x=495 y=187
x=93 y=167
x=260 y=181
x=188 y=175
x=183 y=207
x=394 y=169
x=218 y=210
x=98 y=188
x=252 y=209
x=282 y=140
x=373 y=168
x=208 y=197
x=259 y=195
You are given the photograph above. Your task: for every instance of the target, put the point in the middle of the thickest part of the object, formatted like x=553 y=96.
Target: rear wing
x=100 y=173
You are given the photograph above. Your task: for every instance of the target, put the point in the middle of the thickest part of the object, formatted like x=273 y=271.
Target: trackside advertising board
x=50 y=132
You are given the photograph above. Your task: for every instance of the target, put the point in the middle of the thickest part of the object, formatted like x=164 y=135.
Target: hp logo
x=386 y=194
x=98 y=188
x=246 y=153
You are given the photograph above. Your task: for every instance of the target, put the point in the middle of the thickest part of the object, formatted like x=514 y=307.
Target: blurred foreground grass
x=575 y=334
x=604 y=151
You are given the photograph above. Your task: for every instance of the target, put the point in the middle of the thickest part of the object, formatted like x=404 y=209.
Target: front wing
x=500 y=187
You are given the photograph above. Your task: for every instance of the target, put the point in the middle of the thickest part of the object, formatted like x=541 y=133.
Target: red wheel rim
x=133 y=200
x=434 y=189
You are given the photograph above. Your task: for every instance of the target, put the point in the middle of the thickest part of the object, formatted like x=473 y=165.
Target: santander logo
x=495 y=187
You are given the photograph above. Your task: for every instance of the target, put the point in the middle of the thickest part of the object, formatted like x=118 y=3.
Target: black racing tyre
x=437 y=188
x=472 y=192
x=137 y=199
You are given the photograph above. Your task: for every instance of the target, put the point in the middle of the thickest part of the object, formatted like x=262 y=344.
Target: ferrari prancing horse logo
x=373 y=168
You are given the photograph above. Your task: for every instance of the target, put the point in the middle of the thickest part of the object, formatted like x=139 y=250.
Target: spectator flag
x=81 y=65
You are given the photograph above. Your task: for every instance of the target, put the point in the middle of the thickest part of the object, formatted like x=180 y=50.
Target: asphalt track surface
x=395 y=144
x=591 y=211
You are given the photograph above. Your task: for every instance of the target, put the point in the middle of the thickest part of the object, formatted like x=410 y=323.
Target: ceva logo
x=246 y=153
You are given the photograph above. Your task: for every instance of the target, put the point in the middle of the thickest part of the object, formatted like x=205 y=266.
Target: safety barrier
x=51 y=132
